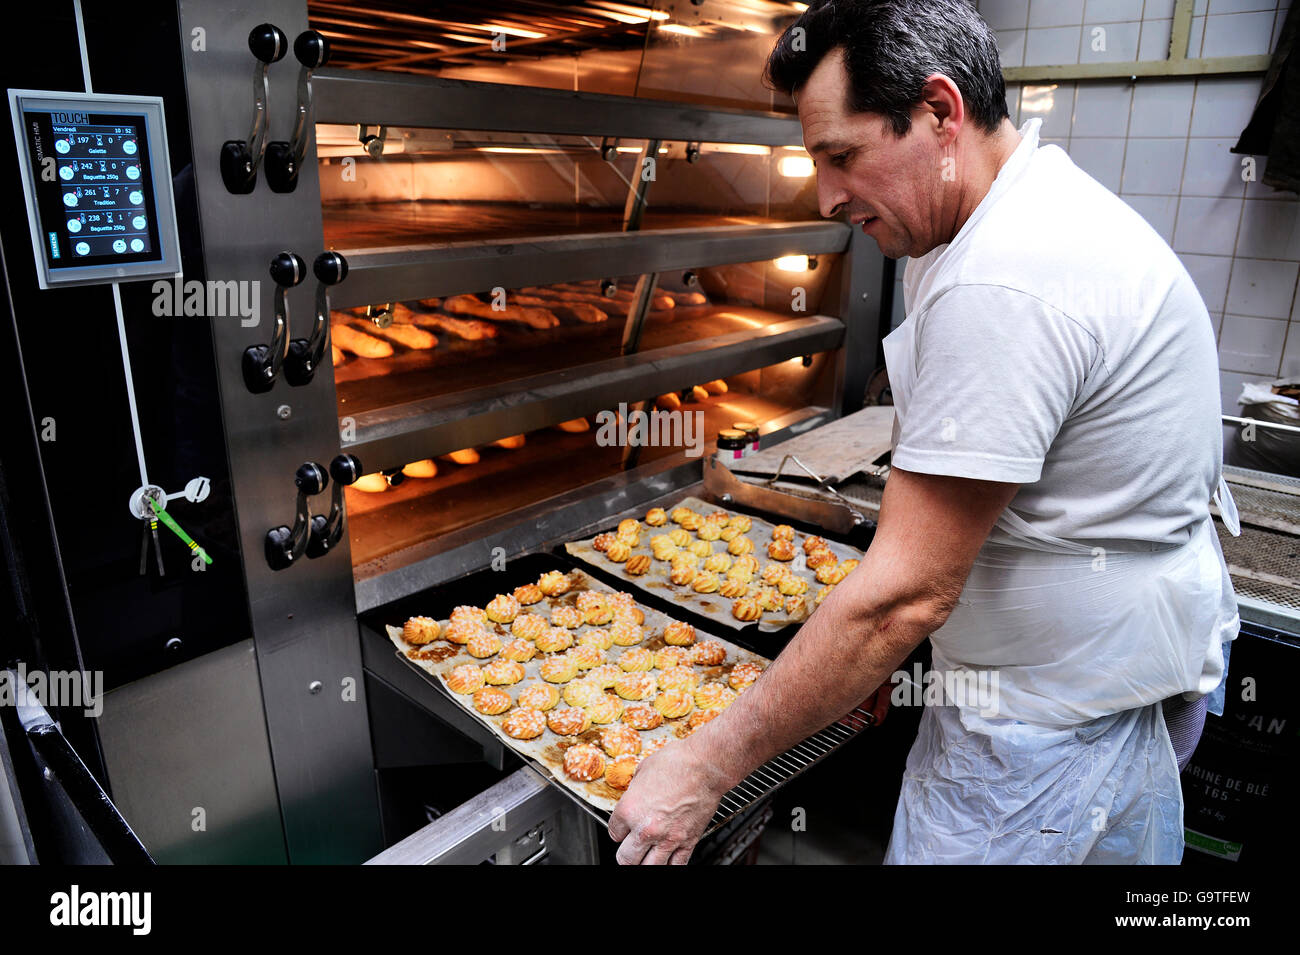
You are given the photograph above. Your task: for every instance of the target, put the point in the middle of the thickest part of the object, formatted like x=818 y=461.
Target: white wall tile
x=1201 y=7
x=1241 y=6
x=1154 y=44
x=1102 y=109
x=1005 y=14
x=1159 y=211
x=1109 y=43
x=1162 y=107
x=1158 y=10
x=1211 y=170
x=1224 y=106
x=1196 y=38
x=1013 y=103
x=1291 y=352
x=1207 y=226
x=1153 y=166
x=1053 y=103
x=1011 y=47
x=1262 y=288
x=1230 y=383
x=1210 y=273
x=1053 y=46
x=1251 y=345
x=1055 y=13
x=1237 y=34
x=1103 y=159
x=1112 y=11
x=1270 y=230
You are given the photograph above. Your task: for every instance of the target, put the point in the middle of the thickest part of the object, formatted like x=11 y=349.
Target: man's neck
x=989 y=153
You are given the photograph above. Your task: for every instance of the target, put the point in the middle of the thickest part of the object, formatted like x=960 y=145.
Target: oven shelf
x=440 y=269
x=383 y=98
x=395 y=434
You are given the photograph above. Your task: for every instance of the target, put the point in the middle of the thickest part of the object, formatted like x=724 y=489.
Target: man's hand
x=666 y=809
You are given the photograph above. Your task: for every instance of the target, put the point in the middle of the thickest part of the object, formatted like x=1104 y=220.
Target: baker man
x=1046 y=523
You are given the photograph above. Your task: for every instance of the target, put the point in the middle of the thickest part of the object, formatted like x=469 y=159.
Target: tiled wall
x=1162 y=145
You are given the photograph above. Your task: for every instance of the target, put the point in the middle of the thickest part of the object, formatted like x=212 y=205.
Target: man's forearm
x=847 y=649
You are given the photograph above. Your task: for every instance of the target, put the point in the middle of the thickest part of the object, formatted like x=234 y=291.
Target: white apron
x=1073 y=763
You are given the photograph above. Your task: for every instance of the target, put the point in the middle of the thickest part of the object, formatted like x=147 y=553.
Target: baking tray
x=546 y=752
x=711 y=607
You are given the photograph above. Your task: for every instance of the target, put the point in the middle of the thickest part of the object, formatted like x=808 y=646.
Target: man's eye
x=839 y=159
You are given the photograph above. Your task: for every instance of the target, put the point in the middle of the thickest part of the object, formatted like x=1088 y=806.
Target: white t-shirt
x=1060 y=344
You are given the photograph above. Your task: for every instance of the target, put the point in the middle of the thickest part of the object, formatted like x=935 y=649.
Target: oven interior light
x=792 y=263
x=795 y=167
x=680 y=29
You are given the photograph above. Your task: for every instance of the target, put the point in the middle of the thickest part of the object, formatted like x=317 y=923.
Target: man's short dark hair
x=890 y=47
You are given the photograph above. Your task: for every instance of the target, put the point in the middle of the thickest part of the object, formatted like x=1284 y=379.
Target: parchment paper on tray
x=548 y=749
x=836 y=451
x=714 y=606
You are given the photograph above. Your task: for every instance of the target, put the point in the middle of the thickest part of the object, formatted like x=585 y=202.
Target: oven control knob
x=345 y=469
x=311 y=49
x=306 y=354
x=268 y=43
x=284 y=544
x=330 y=267
x=288 y=269
x=240 y=158
x=326 y=532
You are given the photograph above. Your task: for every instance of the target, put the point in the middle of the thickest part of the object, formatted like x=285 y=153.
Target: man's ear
x=944 y=102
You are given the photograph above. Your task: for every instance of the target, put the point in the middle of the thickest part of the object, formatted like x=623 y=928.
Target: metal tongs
x=821 y=483
x=838 y=518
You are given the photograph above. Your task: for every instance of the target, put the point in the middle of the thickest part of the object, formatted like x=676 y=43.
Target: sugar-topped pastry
x=781 y=549
x=554 y=640
x=824 y=593
x=502 y=608
x=636 y=660
x=743 y=675
x=714 y=696
x=792 y=585
x=663 y=548
x=519 y=650
x=604 y=675
x=705 y=582
x=783 y=532
x=528 y=626
x=642 y=716
x=636 y=686
x=709 y=531
x=618 y=552
x=491 y=701
x=582 y=693
x=710 y=653
x=540 y=696
x=602 y=542
x=503 y=672
x=817 y=559
x=606 y=709
x=769 y=598
x=584 y=763
x=483 y=644
x=746 y=608
x=682 y=574
x=668 y=657
x=741 y=522
x=740 y=545
x=679 y=537
x=524 y=723
x=528 y=594
x=674 y=704
x=637 y=565
x=701 y=548
x=592 y=606
x=619 y=772
x=813 y=542
x=557 y=669
x=632 y=614
x=562 y=616
x=620 y=740
x=679 y=634
x=773 y=573
x=587 y=656
x=700 y=717
x=653 y=746
x=598 y=637
x=679 y=513
x=748 y=561
x=729 y=533
x=420 y=630
x=718 y=563
x=796 y=607
x=656 y=517
x=629 y=527
x=826 y=574
x=691 y=521
x=553 y=583
x=624 y=633
x=569 y=721
x=468 y=613
x=732 y=588
x=465 y=678
x=679 y=678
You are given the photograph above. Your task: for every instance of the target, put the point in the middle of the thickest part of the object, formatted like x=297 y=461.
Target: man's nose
x=831 y=194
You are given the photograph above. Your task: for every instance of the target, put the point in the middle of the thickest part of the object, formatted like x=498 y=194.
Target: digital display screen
x=93 y=184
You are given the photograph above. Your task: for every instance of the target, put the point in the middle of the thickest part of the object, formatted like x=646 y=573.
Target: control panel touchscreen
x=98 y=187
